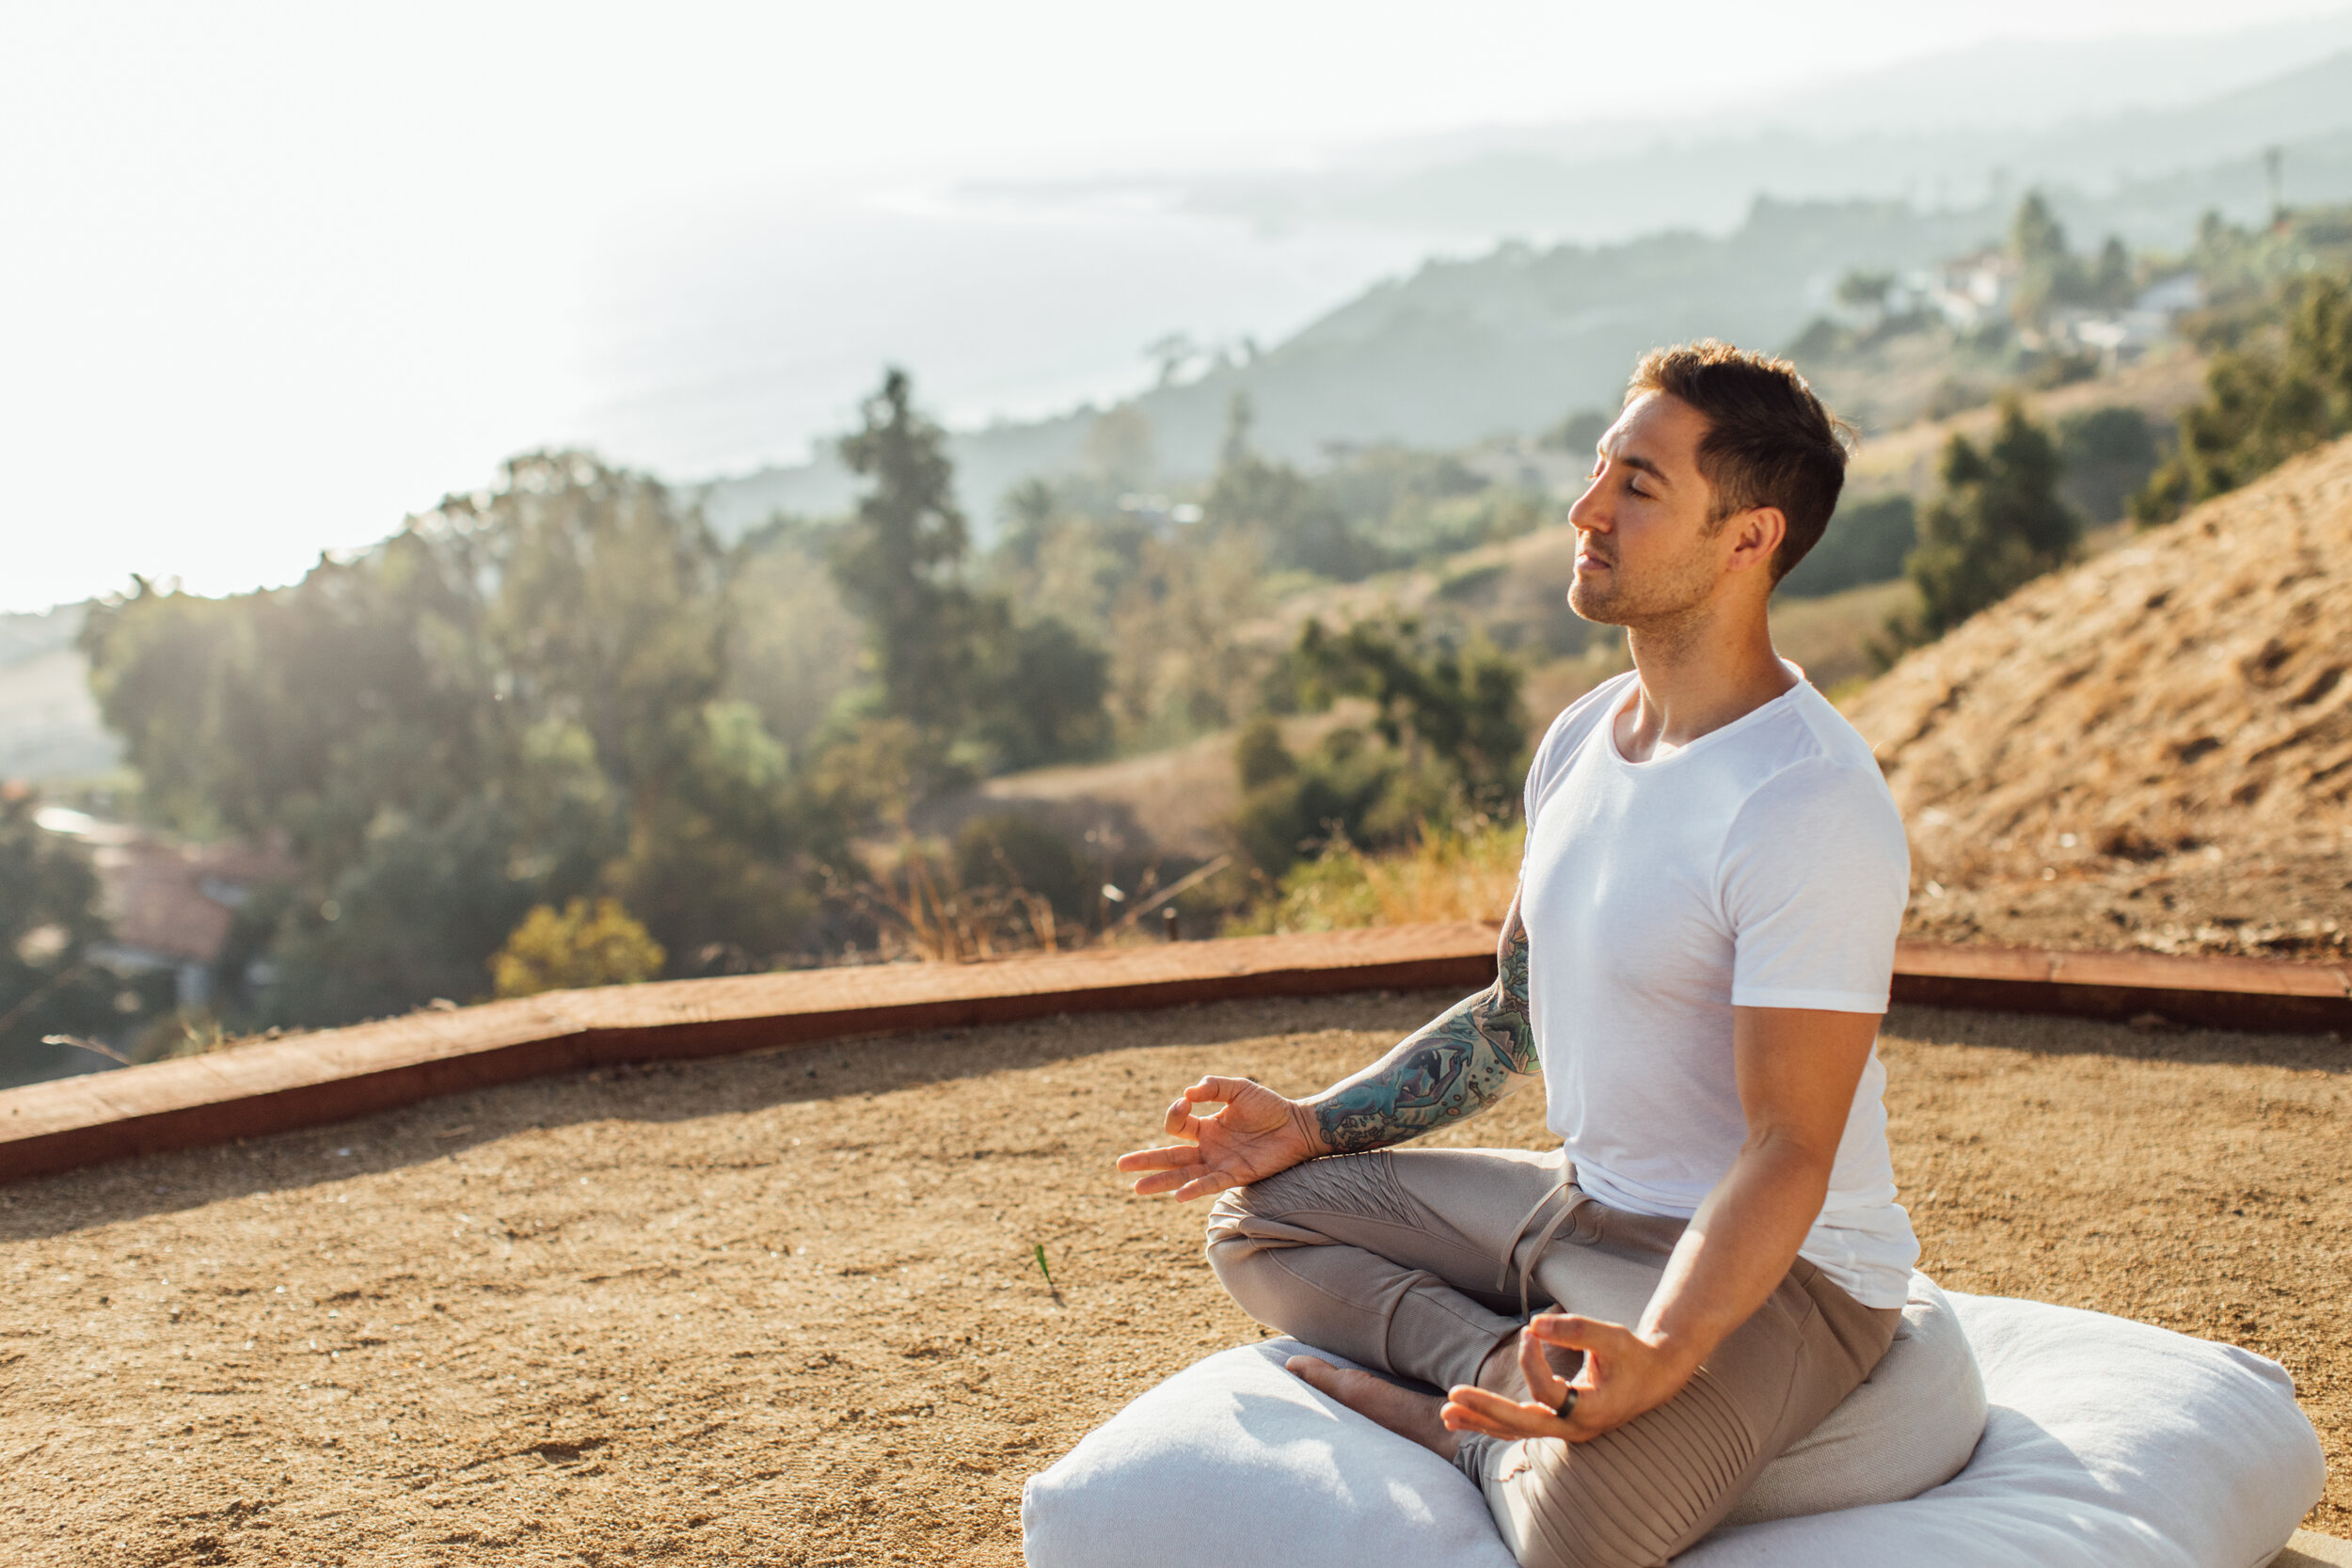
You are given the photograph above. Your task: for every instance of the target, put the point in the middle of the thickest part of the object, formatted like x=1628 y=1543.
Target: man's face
x=1645 y=551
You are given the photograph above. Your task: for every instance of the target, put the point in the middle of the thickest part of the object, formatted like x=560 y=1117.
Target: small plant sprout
x=1036 y=1250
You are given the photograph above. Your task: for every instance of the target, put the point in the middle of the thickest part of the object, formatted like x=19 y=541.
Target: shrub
x=584 y=944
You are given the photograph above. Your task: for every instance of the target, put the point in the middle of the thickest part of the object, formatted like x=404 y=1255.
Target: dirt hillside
x=2153 y=750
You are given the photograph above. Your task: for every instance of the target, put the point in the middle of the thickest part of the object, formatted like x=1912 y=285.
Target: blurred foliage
x=52 y=982
x=1451 y=734
x=2107 y=453
x=1453 y=707
x=1866 y=541
x=586 y=943
x=2051 y=275
x=983 y=688
x=518 y=700
x=1998 y=523
x=565 y=688
x=2283 y=388
x=1300 y=526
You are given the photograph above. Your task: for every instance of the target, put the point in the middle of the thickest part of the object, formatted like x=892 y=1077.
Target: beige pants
x=1419 y=1263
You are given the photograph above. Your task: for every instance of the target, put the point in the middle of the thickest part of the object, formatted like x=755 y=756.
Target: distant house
x=171 y=905
x=1973 y=290
x=2119 y=337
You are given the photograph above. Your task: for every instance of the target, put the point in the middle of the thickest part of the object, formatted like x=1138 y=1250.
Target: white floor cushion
x=2108 y=1445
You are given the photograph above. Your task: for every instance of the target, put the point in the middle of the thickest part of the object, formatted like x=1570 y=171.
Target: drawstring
x=1543 y=1243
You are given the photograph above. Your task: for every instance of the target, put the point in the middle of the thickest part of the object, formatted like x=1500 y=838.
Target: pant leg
x=1400 y=1260
x=1636 y=1497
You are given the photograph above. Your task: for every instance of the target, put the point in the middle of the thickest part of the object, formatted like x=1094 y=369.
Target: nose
x=1590 y=514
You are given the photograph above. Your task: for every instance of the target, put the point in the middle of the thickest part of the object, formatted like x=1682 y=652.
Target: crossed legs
x=1418 y=1263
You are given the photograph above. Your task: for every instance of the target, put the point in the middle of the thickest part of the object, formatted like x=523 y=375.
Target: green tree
x=1346 y=791
x=2036 y=238
x=1042 y=689
x=1998 y=524
x=2050 y=275
x=1868 y=540
x=2108 y=453
x=982 y=689
x=519 y=699
x=1457 y=707
x=898 y=562
x=2262 y=407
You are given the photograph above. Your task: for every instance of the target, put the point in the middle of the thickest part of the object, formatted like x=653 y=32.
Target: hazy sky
x=276 y=275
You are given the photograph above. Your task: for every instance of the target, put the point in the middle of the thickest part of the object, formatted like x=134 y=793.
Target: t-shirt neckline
x=1633 y=686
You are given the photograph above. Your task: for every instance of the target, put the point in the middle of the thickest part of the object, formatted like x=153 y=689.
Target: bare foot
x=1401 y=1410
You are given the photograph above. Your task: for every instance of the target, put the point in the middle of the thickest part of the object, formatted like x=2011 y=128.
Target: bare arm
x=1797 y=1070
x=1455 y=1066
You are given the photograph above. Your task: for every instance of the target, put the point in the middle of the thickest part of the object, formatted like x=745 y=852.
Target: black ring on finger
x=1568 y=1403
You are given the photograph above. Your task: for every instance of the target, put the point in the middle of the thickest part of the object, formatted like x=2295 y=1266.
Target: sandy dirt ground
x=785 y=1308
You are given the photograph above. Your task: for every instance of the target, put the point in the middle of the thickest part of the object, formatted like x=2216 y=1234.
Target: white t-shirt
x=1761 y=865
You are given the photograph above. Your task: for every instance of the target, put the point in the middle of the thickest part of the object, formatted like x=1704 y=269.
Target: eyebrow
x=1632 y=460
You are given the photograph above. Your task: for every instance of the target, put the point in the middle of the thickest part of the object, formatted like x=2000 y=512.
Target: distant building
x=2119 y=337
x=171 y=905
x=1973 y=290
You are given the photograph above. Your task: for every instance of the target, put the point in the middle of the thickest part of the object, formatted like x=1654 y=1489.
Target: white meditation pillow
x=2109 y=1445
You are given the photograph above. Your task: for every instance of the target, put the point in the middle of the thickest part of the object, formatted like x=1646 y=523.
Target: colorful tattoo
x=1453 y=1067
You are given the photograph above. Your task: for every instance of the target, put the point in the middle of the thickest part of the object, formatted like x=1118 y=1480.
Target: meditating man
x=1695 y=962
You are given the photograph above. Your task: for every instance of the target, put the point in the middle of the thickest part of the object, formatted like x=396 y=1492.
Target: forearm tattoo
x=1453 y=1067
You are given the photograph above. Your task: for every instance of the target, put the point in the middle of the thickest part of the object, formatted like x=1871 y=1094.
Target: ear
x=1756 y=536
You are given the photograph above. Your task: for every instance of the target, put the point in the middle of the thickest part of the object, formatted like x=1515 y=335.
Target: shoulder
x=1814 y=782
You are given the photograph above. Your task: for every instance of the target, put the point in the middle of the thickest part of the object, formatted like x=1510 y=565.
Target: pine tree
x=1998 y=524
x=896 y=566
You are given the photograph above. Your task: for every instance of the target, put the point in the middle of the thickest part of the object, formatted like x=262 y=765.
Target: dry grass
x=1466 y=873
x=2153 y=750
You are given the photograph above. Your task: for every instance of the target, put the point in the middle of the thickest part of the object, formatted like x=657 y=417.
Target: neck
x=1698 y=671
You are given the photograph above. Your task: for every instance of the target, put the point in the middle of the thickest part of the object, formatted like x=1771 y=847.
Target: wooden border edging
x=2258 y=994
x=335 y=1075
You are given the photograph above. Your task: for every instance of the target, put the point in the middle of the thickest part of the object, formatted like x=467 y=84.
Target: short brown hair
x=1770 y=441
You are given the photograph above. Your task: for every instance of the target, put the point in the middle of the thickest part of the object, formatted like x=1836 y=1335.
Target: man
x=1695 y=962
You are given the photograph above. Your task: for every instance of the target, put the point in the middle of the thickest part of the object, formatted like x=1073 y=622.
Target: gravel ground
x=786 y=1308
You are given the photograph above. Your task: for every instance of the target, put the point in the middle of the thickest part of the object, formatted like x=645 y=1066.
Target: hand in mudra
x=1254 y=1134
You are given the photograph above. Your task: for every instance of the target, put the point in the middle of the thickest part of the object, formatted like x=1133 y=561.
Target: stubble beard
x=1659 y=607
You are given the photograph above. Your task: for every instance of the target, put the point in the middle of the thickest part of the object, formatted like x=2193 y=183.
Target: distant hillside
x=2154 y=749
x=1510 y=340
x=1588 y=182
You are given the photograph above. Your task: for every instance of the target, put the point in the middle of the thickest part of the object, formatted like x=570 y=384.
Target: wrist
x=1678 y=1354
x=1307 y=1118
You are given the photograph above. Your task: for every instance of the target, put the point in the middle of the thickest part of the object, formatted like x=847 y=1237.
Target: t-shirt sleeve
x=1814 y=876
x=1573 y=725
